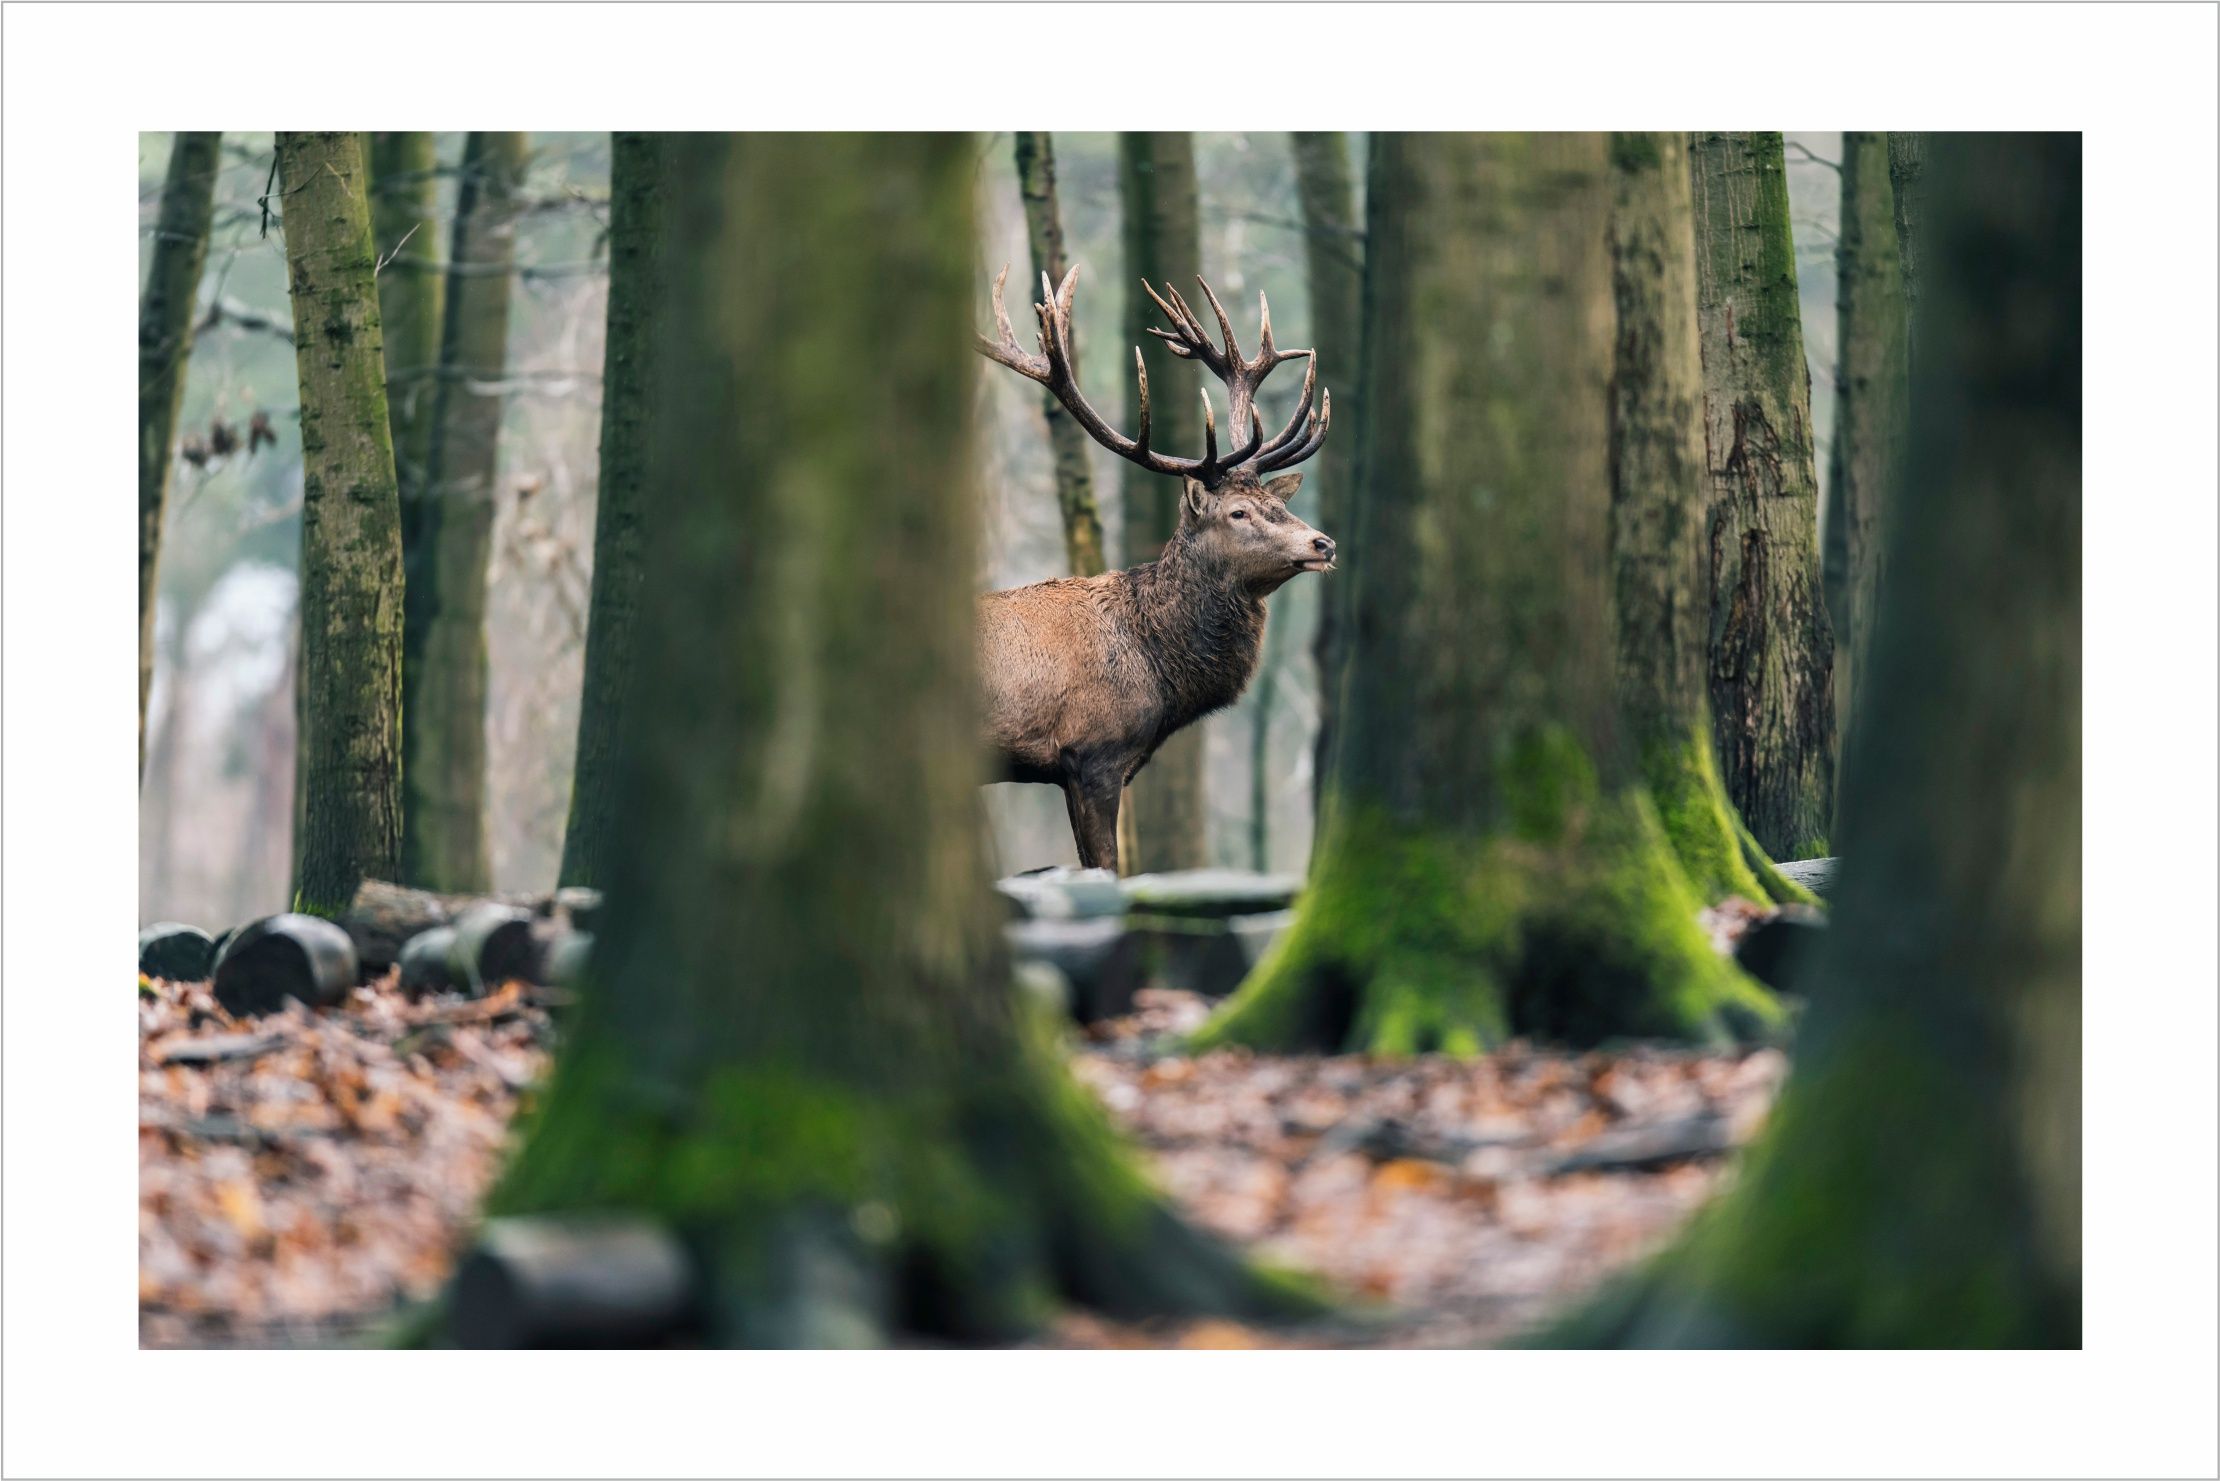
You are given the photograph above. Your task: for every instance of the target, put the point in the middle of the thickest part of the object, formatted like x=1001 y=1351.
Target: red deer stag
x=1086 y=677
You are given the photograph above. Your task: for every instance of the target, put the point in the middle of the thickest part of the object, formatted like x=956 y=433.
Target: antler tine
x=1264 y=328
x=1192 y=331
x=1298 y=424
x=1210 y=434
x=1006 y=351
x=1225 y=325
x=1311 y=443
x=1141 y=384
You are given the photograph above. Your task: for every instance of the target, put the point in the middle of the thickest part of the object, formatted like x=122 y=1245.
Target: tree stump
x=178 y=952
x=572 y=1282
x=284 y=956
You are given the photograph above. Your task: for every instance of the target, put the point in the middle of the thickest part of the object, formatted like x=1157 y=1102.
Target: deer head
x=1304 y=433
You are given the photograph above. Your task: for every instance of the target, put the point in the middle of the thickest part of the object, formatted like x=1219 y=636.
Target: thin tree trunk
x=411 y=292
x=1919 y=1184
x=449 y=535
x=350 y=681
x=628 y=392
x=1333 y=259
x=1660 y=487
x=1491 y=865
x=165 y=344
x=1772 y=654
x=1163 y=244
x=1870 y=321
x=859 y=1131
x=1908 y=204
x=1067 y=440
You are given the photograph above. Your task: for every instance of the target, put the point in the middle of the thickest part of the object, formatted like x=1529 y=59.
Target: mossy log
x=285 y=956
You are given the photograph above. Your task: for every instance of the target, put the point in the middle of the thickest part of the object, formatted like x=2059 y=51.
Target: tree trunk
x=1869 y=408
x=860 y=1133
x=1920 y=1183
x=1491 y=866
x=1163 y=243
x=1659 y=489
x=628 y=392
x=1333 y=258
x=449 y=534
x=1907 y=204
x=411 y=292
x=350 y=682
x=1067 y=440
x=1772 y=655
x=165 y=344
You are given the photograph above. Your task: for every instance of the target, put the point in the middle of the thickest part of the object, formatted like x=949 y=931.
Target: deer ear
x=1283 y=487
x=1194 y=496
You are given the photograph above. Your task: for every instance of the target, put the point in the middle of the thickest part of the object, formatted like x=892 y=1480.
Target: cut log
x=580 y=905
x=573 y=1282
x=1816 y=875
x=1210 y=893
x=285 y=956
x=564 y=960
x=178 y=952
x=383 y=917
x=493 y=943
x=424 y=966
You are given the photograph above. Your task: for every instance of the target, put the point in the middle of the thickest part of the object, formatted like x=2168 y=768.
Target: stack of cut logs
x=441 y=943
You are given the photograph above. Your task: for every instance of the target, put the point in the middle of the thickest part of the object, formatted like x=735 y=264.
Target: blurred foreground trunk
x=165 y=344
x=350 y=680
x=855 y=1127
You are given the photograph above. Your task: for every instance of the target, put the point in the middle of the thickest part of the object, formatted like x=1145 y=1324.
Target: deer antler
x=1053 y=368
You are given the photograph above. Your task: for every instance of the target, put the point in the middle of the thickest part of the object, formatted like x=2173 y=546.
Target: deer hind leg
x=1092 y=802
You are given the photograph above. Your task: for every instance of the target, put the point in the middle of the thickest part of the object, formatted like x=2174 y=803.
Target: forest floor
x=303 y=1175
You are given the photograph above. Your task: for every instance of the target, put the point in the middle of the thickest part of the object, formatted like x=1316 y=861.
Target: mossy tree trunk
x=1333 y=263
x=1067 y=440
x=628 y=393
x=1920 y=1182
x=448 y=534
x=350 y=681
x=1772 y=653
x=1163 y=243
x=411 y=291
x=1869 y=409
x=165 y=344
x=1659 y=491
x=859 y=1131
x=1491 y=865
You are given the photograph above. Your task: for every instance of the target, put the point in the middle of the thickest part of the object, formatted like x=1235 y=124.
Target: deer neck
x=1200 y=628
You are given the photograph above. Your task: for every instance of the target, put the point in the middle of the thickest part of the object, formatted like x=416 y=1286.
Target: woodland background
x=216 y=804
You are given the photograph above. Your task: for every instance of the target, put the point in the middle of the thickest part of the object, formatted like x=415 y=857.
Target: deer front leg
x=1091 y=800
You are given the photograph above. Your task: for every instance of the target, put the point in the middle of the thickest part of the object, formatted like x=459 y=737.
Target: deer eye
x=1238 y=514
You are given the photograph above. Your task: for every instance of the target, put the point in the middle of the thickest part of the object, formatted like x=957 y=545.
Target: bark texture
x=411 y=292
x=1870 y=318
x=1163 y=243
x=859 y=1132
x=628 y=391
x=1659 y=491
x=1919 y=1184
x=165 y=344
x=1333 y=261
x=1491 y=865
x=1908 y=203
x=350 y=681
x=448 y=534
x=1772 y=653
x=1067 y=440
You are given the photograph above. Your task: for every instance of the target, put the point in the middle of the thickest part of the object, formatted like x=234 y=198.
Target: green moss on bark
x=1572 y=925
